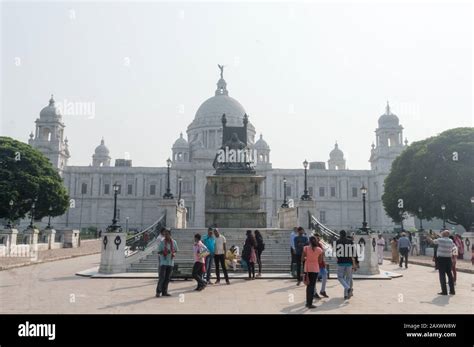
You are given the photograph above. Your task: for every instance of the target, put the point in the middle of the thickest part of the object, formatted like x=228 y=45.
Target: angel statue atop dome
x=221 y=67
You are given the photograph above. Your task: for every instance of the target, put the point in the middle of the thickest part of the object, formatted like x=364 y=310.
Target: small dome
x=50 y=111
x=180 y=142
x=388 y=119
x=336 y=153
x=102 y=149
x=261 y=144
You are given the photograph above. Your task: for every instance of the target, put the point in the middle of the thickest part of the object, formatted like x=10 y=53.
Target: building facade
x=335 y=189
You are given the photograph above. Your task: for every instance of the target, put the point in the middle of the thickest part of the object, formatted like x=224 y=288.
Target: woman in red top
x=311 y=256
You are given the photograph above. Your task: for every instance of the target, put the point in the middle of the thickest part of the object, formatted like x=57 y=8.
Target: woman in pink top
x=311 y=256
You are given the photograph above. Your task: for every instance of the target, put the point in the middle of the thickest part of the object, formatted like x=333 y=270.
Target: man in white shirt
x=219 y=256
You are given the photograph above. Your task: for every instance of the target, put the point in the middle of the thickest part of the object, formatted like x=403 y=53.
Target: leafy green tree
x=432 y=172
x=25 y=175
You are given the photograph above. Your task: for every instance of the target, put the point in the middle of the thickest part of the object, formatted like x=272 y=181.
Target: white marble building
x=335 y=188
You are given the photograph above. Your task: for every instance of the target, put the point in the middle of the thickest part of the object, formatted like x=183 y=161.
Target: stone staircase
x=275 y=258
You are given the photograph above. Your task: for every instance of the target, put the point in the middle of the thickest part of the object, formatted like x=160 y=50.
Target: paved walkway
x=53 y=288
x=462 y=265
x=87 y=247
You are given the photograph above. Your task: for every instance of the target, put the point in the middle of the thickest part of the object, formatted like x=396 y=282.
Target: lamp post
x=10 y=219
x=126 y=224
x=168 y=194
x=401 y=219
x=443 y=209
x=32 y=213
x=285 y=203
x=180 y=181
x=363 y=190
x=115 y=227
x=49 y=217
x=420 y=215
x=305 y=196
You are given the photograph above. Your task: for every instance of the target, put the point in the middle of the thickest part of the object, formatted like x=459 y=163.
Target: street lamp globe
x=116 y=187
x=168 y=162
x=420 y=209
x=443 y=207
x=363 y=189
x=11 y=202
x=472 y=200
x=284 y=180
x=305 y=164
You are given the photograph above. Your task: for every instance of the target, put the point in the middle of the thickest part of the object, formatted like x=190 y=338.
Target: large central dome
x=207 y=122
x=213 y=108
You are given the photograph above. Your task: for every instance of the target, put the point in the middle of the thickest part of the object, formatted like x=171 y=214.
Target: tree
x=25 y=175
x=432 y=172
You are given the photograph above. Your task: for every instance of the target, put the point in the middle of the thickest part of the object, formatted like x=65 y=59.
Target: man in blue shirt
x=300 y=241
x=404 y=246
x=210 y=242
x=167 y=249
x=292 y=248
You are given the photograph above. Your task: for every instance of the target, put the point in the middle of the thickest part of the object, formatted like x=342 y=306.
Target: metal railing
x=316 y=225
x=142 y=240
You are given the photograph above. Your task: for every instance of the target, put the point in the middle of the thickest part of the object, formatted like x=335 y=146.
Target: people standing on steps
x=167 y=250
x=404 y=246
x=311 y=256
x=259 y=250
x=301 y=240
x=200 y=252
x=345 y=253
x=323 y=273
x=444 y=256
x=219 y=256
x=210 y=242
x=249 y=254
x=380 y=248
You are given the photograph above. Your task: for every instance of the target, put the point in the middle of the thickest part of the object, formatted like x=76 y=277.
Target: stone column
x=112 y=258
x=287 y=218
x=32 y=236
x=9 y=238
x=50 y=236
x=71 y=238
x=181 y=213
x=368 y=260
x=303 y=207
x=169 y=207
x=469 y=235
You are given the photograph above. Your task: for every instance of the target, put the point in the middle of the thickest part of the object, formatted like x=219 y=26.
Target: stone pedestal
x=71 y=239
x=8 y=238
x=368 y=260
x=169 y=207
x=30 y=236
x=468 y=245
x=181 y=213
x=233 y=201
x=49 y=235
x=287 y=218
x=305 y=208
x=112 y=258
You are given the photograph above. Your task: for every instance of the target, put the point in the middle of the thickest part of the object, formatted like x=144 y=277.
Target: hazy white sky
x=308 y=74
